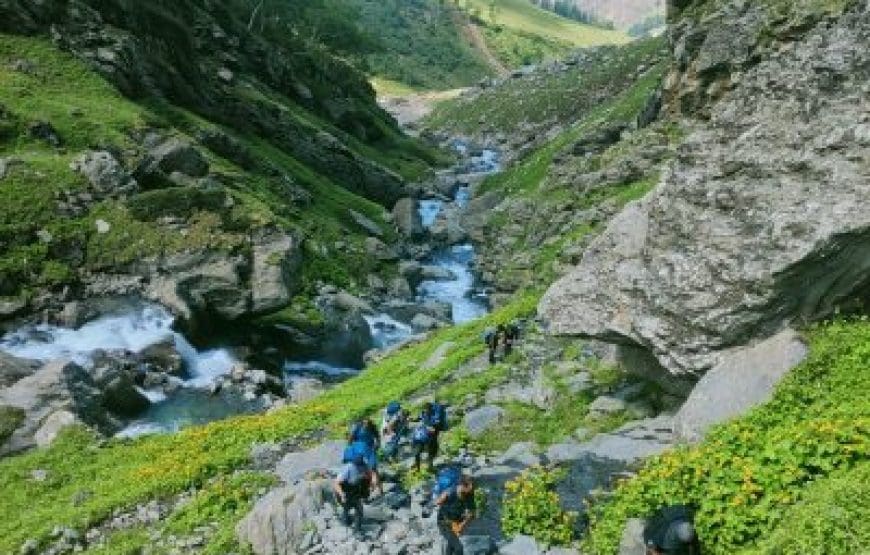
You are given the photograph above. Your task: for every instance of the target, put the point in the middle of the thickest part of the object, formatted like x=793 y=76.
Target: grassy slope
x=87 y=111
x=524 y=17
x=560 y=97
x=778 y=472
x=120 y=473
x=420 y=44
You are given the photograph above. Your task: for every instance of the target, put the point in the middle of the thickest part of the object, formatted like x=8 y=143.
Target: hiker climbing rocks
x=510 y=337
x=456 y=507
x=363 y=441
x=490 y=339
x=393 y=428
x=671 y=532
x=352 y=487
x=433 y=421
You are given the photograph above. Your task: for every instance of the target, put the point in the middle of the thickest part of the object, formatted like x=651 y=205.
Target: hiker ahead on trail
x=363 y=441
x=393 y=427
x=510 y=337
x=433 y=421
x=490 y=339
x=454 y=497
x=671 y=532
x=353 y=486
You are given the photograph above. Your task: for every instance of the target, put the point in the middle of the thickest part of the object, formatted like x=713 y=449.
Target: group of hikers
x=505 y=335
x=668 y=532
x=453 y=494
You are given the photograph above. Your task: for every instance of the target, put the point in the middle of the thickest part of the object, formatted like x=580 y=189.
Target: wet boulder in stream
x=276 y=262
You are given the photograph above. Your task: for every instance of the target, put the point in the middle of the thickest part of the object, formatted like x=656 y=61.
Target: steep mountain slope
x=227 y=153
x=419 y=43
x=724 y=251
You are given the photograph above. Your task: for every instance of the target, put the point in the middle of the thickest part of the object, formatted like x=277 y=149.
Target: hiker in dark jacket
x=455 y=510
x=433 y=419
x=393 y=427
x=510 y=337
x=352 y=487
x=671 y=532
x=490 y=338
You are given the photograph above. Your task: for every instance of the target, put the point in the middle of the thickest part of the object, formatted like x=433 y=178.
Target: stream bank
x=174 y=380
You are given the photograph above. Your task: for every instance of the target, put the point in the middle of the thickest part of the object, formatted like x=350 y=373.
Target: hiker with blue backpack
x=393 y=428
x=454 y=497
x=433 y=421
x=352 y=486
x=363 y=441
x=364 y=430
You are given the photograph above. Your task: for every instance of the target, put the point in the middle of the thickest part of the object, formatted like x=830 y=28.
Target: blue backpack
x=420 y=435
x=360 y=448
x=361 y=432
x=448 y=479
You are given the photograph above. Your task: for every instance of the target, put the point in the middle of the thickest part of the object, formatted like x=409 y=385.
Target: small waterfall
x=133 y=331
x=387 y=331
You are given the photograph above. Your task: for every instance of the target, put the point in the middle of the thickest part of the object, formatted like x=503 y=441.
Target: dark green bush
x=176 y=201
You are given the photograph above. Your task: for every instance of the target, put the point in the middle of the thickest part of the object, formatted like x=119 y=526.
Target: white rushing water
x=134 y=331
x=459 y=290
x=387 y=331
x=429 y=210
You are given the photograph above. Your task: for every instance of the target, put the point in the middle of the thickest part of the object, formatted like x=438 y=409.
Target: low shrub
x=533 y=508
x=752 y=474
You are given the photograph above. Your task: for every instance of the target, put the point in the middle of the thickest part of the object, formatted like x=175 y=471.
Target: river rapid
x=193 y=398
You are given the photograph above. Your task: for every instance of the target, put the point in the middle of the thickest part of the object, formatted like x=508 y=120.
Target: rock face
x=407 y=217
x=201 y=284
x=745 y=378
x=480 y=420
x=56 y=386
x=278 y=523
x=761 y=221
x=13 y=369
x=274 y=277
x=105 y=174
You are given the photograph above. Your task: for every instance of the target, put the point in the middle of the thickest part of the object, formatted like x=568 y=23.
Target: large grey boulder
x=56 y=386
x=630 y=443
x=175 y=155
x=13 y=368
x=407 y=218
x=480 y=420
x=760 y=222
x=276 y=263
x=105 y=174
x=296 y=466
x=199 y=284
x=745 y=378
x=114 y=375
x=279 y=522
x=53 y=425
